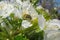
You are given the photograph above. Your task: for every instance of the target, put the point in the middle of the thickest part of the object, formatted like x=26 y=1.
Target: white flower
x=7 y=39
x=47 y=10
x=17 y=9
x=55 y=8
x=39 y=7
x=53 y=24
x=5 y=9
x=3 y=24
x=29 y=9
x=26 y=24
x=52 y=35
x=41 y=21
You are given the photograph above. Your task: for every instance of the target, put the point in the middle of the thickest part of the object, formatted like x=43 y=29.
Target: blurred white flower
x=26 y=24
x=29 y=9
x=53 y=24
x=7 y=39
x=47 y=10
x=3 y=24
x=52 y=35
x=40 y=7
x=41 y=21
x=5 y=9
x=55 y=8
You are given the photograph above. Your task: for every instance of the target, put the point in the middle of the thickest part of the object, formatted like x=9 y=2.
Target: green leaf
x=20 y=37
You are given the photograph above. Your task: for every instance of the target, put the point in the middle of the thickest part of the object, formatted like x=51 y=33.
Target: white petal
x=26 y=24
x=52 y=35
x=41 y=21
x=40 y=7
x=6 y=10
x=53 y=24
x=19 y=2
x=18 y=13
